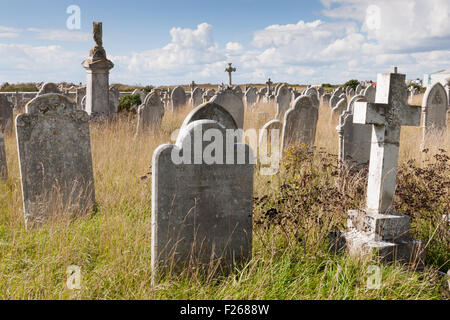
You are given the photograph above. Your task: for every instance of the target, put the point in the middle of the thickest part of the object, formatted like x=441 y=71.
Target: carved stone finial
x=97 y=53
x=98 y=33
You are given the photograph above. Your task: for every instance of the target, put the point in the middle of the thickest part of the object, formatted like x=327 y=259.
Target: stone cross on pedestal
x=378 y=228
x=193 y=85
x=269 y=83
x=230 y=69
x=387 y=115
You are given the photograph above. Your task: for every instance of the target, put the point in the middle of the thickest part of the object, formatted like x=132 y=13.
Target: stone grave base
x=386 y=236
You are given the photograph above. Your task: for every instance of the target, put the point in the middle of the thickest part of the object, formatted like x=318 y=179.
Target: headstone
x=201 y=205
x=269 y=84
x=379 y=228
x=208 y=95
x=312 y=91
x=251 y=97
x=80 y=94
x=3 y=163
x=359 y=89
x=238 y=91
x=261 y=94
x=48 y=87
x=434 y=110
x=150 y=114
x=97 y=68
x=370 y=93
x=114 y=95
x=334 y=100
x=354 y=138
x=211 y=111
x=197 y=97
x=232 y=104
x=326 y=99
x=54 y=158
x=300 y=123
x=350 y=92
x=178 y=98
x=283 y=100
x=269 y=147
x=337 y=111
x=141 y=94
x=314 y=97
x=6 y=114
x=320 y=91
x=83 y=103
x=338 y=91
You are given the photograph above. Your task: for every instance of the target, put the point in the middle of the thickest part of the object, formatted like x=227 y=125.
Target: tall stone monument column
x=97 y=68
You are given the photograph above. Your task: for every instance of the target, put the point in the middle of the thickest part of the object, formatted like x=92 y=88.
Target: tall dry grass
x=112 y=247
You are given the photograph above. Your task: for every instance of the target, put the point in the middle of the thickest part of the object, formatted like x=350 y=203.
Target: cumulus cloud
x=354 y=39
x=39 y=63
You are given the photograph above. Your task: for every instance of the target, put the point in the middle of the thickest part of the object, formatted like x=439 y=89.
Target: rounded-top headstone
x=211 y=111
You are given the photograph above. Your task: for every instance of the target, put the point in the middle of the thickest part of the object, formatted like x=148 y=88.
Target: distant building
x=438 y=76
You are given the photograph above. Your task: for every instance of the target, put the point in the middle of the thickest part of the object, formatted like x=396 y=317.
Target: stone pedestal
x=386 y=235
x=97 y=86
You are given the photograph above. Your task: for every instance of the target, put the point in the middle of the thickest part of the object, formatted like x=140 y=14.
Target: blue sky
x=173 y=42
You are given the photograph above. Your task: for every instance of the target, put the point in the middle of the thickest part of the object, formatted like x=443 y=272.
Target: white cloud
x=61 y=35
x=413 y=35
x=39 y=63
x=8 y=32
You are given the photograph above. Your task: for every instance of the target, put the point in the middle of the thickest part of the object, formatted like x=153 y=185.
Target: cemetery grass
x=293 y=213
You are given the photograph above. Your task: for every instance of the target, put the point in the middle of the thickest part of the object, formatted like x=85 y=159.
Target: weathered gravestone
x=202 y=200
x=354 y=138
x=114 y=95
x=211 y=111
x=178 y=98
x=269 y=144
x=300 y=123
x=232 y=103
x=83 y=103
x=80 y=94
x=141 y=94
x=54 y=158
x=334 y=100
x=326 y=99
x=312 y=94
x=6 y=114
x=208 y=95
x=370 y=93
x=379 y=228
x=48 y=87
x=251 y=97
x=197 y=97
x=312 y=91
x=337 y=111
x=3 y=163
x=150 y=114
x=283 y=100
x=434 y=110
x=359 y=89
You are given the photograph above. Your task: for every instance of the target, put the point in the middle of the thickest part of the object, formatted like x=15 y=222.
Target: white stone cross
x=230 y=69
x=387 y=115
